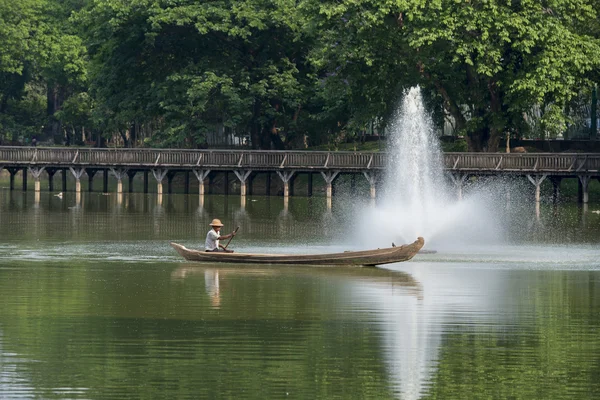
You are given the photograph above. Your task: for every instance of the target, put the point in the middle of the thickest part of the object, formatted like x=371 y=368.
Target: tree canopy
x=282 y=72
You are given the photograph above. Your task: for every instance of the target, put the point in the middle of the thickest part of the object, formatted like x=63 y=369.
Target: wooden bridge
x=246 y=164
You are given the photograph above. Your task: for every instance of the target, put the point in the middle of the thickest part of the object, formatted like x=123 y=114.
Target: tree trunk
x=255 y=128
x=496 y=125
x=53 y=103
x=133 y=133
x=476 y=140
x=126 y=141
x=449 y=103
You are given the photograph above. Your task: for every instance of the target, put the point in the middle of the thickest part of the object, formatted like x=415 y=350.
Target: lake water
x=94 y=304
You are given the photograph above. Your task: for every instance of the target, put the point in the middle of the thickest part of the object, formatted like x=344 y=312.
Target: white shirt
x=212 y=240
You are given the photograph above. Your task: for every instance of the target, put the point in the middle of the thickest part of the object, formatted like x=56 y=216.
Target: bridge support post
x=12 y=172
x=537 y=181
x=459 y=181
x=64 y=180
x=201 y=175
x=584 y=181
x=310 y=184
x=555 y=188
x=329 y=178
x=36 y=172
x=105 y=180
x=226 y=183
x=24 y=179
x=77 y=173
x=130 y=174
x=145 y=181
x=170 y=176
x=90 y=173
x=372 y=178
x=51 y=172
x=268 y=184
x=119 y=174
x=243 y=177
x=285 y=177
x=251 y=183
x=159 y=175
x=186 y=188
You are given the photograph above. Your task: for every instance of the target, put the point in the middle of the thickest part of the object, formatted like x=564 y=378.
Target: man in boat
x=214 y=235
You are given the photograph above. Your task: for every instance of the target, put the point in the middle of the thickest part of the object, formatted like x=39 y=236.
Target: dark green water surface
x=94 y=304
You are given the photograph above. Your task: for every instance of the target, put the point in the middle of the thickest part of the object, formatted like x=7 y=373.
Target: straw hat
x=216 y=222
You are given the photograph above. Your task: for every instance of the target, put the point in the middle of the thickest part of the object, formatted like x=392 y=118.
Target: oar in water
x=236 y=229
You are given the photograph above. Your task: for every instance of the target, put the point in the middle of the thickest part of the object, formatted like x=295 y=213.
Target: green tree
x=38 y=53
x=193 y=67
x=488 y=62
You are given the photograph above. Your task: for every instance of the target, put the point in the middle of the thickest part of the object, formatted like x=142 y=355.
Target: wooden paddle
x=236 y=229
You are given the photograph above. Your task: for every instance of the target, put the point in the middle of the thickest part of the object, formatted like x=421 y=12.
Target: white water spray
x=416 y=199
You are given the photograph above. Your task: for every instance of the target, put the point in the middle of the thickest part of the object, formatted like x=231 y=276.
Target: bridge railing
x=299 y=160
x=191 y=158
x=522 y=162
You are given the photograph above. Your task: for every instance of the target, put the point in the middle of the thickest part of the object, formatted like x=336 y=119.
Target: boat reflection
x=396 y=282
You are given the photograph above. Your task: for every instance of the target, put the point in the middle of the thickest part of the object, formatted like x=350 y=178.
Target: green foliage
x=456 y=146
x=171 y=73
x=196 y=67
x=37 y=54
x=488 y=61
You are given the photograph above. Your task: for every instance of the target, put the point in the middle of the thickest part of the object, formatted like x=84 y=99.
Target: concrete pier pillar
x=201 y=175
x=159 y=175
x=329 y=178
x=119 y=174
x=310 y=184
x=537 y=182
x=285 y=177
x=372 y=178
x=77 y=173
x=458 y=180
x=36 y=172
x=243 y=177
x=584 y=182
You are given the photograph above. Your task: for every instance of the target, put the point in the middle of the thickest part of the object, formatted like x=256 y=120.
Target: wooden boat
x=366 y=258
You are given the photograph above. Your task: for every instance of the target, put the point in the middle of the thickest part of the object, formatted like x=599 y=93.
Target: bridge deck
x=488 y=163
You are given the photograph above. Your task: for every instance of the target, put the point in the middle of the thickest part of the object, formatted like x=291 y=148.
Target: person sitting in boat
x=214 y=235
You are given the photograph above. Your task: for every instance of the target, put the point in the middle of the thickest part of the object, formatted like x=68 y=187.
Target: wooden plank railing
x=297 y=160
